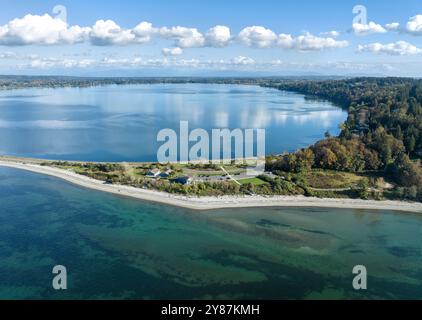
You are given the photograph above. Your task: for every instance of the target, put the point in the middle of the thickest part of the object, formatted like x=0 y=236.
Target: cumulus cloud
x=43 y=30
x=366 y=29
x=172 y=51
x=183 y=37
x=241 y=60
x=392 y=26
x=218 y=36
x=309 y=42
x=258 y=37
x=144 y=32
x=46 y=30
x=414 y=25
x=399 y=48
x=107 y=32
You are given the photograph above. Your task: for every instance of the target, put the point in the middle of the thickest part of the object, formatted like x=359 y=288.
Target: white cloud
x=144 y=31
x=414 y=25
x=138 y=62
x=309 y=42
x=183 y=37
x=8 y=55
x=241 y=60
x=240 y=63
x=333 y=34
x=277 y=62
x=75 y=34
x=3 y=31
x=107 y=32
x=399 y=48
x=172 y=51
x=258 y=37
x=193 y=63
x=44 y=30
x=48 y=63
x=366 y=29
x=218 y=36
x=392 y=26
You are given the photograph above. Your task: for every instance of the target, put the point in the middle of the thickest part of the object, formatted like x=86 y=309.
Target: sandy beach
x=208 y=203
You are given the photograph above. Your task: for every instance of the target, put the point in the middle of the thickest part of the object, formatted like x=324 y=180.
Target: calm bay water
x=117 y=248
x=120 y=123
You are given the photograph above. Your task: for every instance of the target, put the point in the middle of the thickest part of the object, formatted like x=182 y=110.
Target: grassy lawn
x=254 y=181
x=332 y=179
x=317 y=179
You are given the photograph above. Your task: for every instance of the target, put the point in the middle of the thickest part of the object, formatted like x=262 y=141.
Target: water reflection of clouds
x=174 y=104
x=176 y=108
x=47 y=124
x=323 y=118
x=172 y=109
x=221 y=119
x=122 y=122
x=264 y=118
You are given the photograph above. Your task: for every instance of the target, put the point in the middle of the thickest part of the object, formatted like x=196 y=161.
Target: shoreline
x=210 y=203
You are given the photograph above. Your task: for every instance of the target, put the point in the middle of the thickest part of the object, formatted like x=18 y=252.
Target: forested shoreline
x=382 y=135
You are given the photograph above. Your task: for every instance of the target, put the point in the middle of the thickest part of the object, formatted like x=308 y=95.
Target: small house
x=186 y=181
x=166 y=174
x=154 y=173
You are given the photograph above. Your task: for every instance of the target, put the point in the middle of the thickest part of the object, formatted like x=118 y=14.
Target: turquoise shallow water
x=121 y=123
x=117 y=248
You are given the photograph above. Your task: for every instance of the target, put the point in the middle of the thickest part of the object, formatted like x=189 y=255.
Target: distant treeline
x=17 y=82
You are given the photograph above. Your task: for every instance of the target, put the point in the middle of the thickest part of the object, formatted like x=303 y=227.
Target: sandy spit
x=208 y=203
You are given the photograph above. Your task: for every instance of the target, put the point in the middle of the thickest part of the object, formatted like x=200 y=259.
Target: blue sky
x=181 y=38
